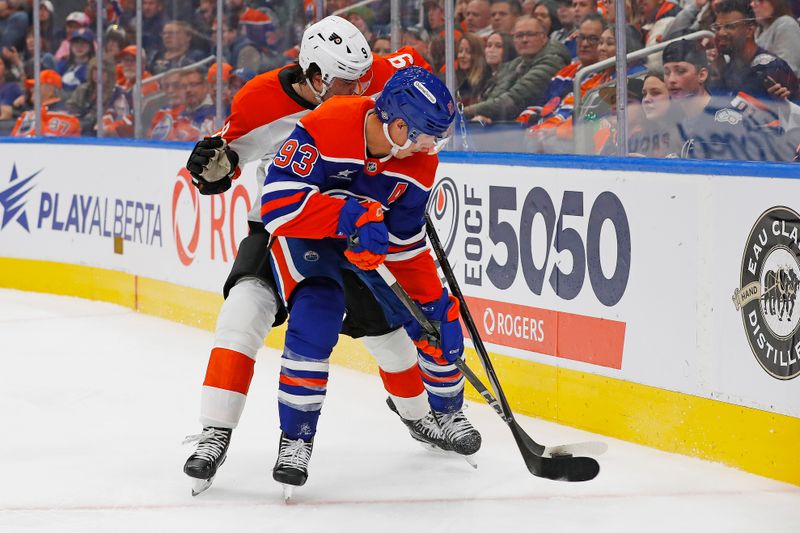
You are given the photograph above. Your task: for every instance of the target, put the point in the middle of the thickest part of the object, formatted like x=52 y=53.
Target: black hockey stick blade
x=558 y=468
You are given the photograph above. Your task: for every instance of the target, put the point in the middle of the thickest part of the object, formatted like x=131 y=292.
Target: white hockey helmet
x=337 y=48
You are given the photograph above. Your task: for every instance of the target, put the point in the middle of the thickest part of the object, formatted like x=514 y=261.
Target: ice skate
x=462 y=437
x=291 y=468
x=202 y=465
x=424 y=430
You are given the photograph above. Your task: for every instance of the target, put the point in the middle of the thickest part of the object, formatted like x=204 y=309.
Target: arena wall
x=651 y=301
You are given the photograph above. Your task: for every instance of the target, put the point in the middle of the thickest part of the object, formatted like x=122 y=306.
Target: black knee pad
x=253 y=261
x=365 y=316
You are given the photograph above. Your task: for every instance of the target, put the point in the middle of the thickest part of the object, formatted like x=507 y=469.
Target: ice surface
x=96 y=399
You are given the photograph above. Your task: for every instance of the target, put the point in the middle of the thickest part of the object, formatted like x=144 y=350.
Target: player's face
x=340 y=87
x=683 y=79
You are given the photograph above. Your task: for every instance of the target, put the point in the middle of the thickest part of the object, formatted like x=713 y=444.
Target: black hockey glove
x=212 y=165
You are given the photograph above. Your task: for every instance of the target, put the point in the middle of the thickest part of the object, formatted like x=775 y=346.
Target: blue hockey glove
x=367 y=236
x=443 y=314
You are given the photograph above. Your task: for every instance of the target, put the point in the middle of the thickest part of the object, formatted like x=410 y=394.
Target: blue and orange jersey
x=324 y=161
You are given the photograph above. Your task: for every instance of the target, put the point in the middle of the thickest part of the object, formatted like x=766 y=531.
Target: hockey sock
x=316 y=312
x=444 y=383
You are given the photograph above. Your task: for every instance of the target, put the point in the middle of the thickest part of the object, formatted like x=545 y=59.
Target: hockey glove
x=212 y=165
x=367 y=237
x=443 y=314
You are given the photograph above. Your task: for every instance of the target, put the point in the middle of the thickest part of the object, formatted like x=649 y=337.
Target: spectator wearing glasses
x=741 y=64
x=504 y=14
x=176 y=52
x=169 y=124
x=778 y=30
x=580 y=9
x=199 y=108
x=554 y=106
x=477 y=18
x=523 y=79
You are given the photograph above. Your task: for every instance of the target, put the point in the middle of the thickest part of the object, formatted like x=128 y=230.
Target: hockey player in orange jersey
x=334 y=60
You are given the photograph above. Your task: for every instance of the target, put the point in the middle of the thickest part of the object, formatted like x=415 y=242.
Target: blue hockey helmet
x=421 y=100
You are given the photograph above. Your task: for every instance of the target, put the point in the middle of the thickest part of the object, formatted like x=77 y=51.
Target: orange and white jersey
x=55 y=123
x=264 y=112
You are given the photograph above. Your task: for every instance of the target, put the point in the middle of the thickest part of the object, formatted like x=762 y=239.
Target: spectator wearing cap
x=504 y=14
x=73 y=68
x=525 y=78
x=77 y=20
x=714 y=127
x=741 y=64
x=55 y=120
x=778 y=30
x=227 y=96
x=477 y=18
x=82 y=103
x=258 y=32
x=14 y=23
x=239 y=78
x=176 y=51
x=126 y=71
x=10 y=90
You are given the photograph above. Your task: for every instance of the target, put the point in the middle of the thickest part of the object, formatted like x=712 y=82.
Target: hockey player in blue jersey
x=348 y=190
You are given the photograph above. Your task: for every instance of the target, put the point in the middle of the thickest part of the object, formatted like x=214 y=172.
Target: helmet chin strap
x=395 y=147
x=318 y=96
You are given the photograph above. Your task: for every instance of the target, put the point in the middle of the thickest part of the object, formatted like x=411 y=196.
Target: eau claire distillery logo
x=767 y=294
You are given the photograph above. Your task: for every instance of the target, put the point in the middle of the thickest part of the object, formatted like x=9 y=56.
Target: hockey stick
x=559 y=467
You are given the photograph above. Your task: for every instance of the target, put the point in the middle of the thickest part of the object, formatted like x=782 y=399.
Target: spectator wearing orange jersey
x=169 y=123
x=56 y=122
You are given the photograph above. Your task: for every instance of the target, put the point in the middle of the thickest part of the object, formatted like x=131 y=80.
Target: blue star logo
x=13 y=199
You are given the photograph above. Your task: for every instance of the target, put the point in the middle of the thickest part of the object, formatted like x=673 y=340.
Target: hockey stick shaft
x=557 y=468
x=436 y=244
x=420 y=317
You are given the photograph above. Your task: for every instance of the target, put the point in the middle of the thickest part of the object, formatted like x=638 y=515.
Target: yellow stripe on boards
x=756 y=441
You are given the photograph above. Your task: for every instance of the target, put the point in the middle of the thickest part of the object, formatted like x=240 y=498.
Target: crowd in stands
x=727 y=96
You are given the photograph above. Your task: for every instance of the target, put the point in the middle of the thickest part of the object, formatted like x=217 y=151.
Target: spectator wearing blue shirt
x=73 y=69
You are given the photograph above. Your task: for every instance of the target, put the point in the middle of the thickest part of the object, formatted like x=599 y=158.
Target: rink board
x=604 y=294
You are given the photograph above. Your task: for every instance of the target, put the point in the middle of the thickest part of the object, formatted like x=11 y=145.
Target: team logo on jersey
x=398 y=191
x=311 y=256
x=767 y=293
x=12 y=199
x=443 y=207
